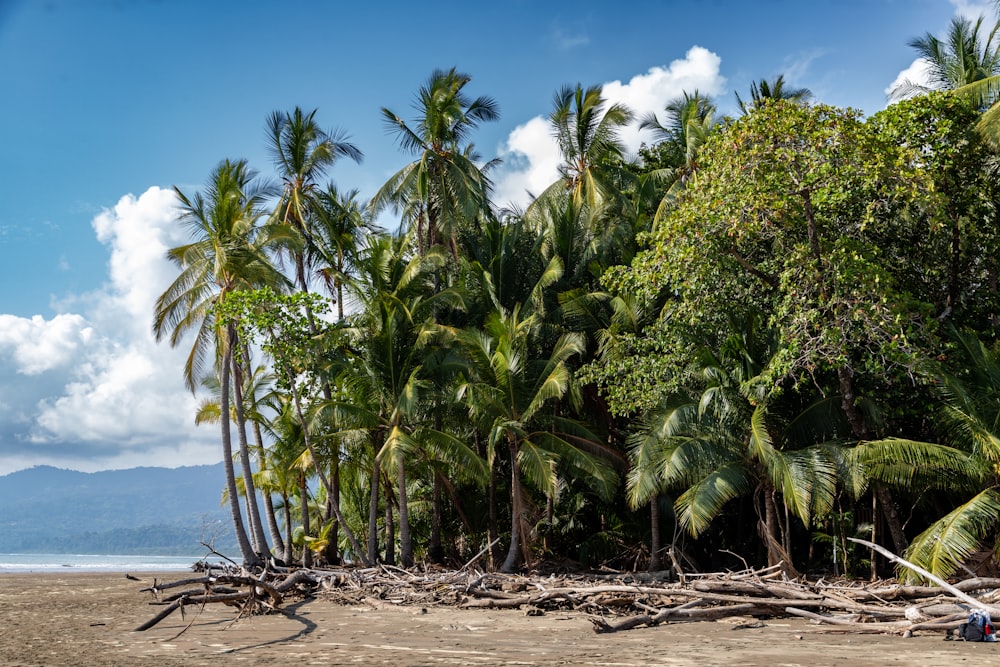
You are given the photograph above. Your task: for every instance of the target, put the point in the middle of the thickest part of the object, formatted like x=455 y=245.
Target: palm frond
x=948 y=542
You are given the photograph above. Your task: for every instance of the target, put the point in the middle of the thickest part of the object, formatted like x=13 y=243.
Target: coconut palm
x=772 y=90
x=690 y=119
x=230 y=251
x=512 y=391
x=339 y=229
x=727 y=440
x=387 y=378
x=964 y=57
x=302 y=153
x=963 y=466
x=586 y=130
x=443 y=188
x=966 y=62
x=258 y=393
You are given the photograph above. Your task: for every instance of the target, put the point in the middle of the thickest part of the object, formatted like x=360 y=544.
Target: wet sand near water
x=89 y=619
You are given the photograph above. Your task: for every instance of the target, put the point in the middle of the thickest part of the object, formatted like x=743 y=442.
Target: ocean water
x=97 y=563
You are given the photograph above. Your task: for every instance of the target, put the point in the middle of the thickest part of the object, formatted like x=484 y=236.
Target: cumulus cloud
x=37 y=345
x=917 y=74
x=972 y=10
x=95 y=390
x=531 y=156
x=698 y=70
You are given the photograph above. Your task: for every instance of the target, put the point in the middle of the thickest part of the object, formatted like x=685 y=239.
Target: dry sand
x=88 y=619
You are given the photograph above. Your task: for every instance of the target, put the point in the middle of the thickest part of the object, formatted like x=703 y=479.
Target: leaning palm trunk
x=269 y=514
x=250 y=557
x=258 y=538
x=307 y=560
x=307 y=438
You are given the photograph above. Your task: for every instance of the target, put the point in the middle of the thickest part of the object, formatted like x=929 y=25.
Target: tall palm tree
x=443 y=188
x=772 y=90
x=340 y=227
x=512 y=392
x=966 y=56
x=690 y=119
x=230 y=251
x=586 y=130
x=966 y=62
x=256 y=385
x=302 y=153
x=386 y=379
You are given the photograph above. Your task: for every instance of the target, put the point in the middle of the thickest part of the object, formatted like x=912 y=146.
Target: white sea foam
x=96 y=563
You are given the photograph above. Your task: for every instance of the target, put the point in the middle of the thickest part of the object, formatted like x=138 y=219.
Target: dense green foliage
x=764 y=308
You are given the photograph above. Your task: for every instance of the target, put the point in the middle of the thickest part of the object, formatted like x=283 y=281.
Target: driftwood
x=614 y=602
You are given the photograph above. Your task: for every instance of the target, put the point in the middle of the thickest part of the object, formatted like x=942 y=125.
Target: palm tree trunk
x=373 y=515
x=287 y=512
x=776 y=554
x=303 y=424
x=258 y=539
x=491 y=529
x=390 y=530
x=514 y=553
x=405 y=542
x=250 y=558
x=333 y=553
x=859 y=430
x=307 y=560
x=655 y=543
x=435 y=551
x=269 y=515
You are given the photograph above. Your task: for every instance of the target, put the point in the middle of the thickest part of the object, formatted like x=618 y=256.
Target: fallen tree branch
x=924 y=573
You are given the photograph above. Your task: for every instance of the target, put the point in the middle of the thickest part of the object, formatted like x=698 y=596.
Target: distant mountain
x=153 y=511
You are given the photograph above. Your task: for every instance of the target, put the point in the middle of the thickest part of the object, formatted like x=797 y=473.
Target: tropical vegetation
x=761 y=336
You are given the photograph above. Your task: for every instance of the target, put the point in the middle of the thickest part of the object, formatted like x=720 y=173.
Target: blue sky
x=108 y=104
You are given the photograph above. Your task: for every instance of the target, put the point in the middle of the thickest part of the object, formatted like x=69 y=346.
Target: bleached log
x=978 y=604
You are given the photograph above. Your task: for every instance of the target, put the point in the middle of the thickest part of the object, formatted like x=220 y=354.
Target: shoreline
x=72 y=618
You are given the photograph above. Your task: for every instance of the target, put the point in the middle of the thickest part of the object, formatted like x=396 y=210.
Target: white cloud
x=98 y=391
x=37 y=345
x=918 y=74
x=530 y=163
x=531 y=155
x=972 y=10
x=698 y=70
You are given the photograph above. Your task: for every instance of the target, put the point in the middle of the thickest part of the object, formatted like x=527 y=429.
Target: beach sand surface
x=89 y=619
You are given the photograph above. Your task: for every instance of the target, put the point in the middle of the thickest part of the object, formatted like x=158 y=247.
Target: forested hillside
x=152 y=511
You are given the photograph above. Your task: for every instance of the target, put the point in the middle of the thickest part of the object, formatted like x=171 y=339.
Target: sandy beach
x=89 y=619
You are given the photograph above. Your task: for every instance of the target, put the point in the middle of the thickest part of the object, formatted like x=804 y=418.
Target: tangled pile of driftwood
x=613 y=602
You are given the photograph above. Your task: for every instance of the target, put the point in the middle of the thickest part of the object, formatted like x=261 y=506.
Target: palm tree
x=443 y=188
x=258 y=392
x=964 y=58
x=967 y=63
x=229 y=251
x=340 y=227
x=586 y=129
x=690 y=120
x=302 y=153
x=964 y=466
x=512 y=392
x=387 y=377
x=727 y=441
x=772 y=90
